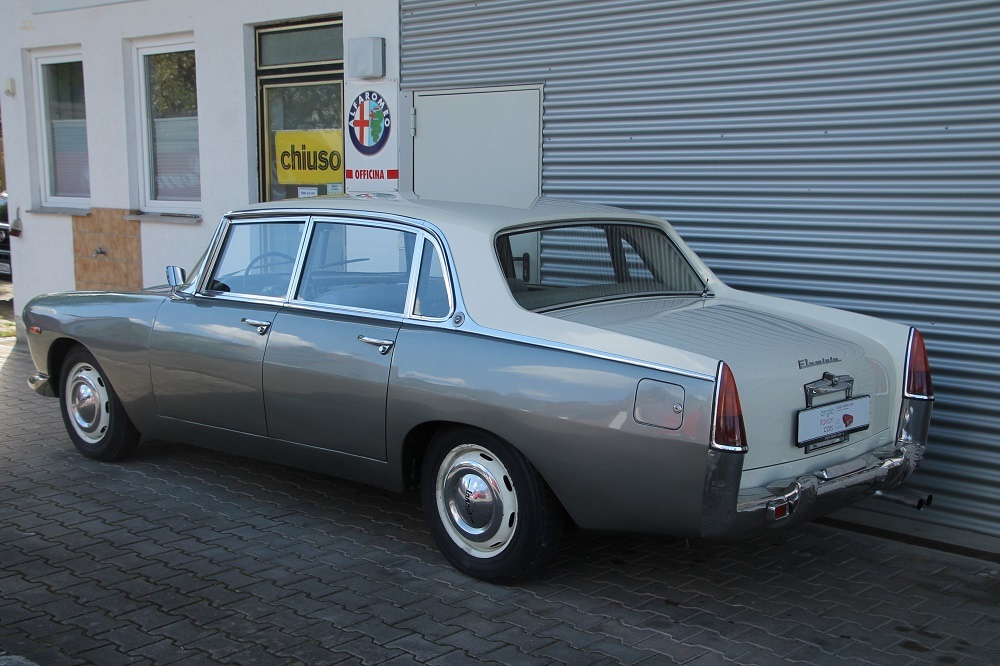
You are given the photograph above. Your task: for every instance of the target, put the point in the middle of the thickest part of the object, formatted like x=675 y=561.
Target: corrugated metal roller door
x=845 y=153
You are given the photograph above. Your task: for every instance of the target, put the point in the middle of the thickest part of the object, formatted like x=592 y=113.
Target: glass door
x=303 y=126
x=300 y=97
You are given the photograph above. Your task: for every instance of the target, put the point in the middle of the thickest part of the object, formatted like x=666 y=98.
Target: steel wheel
x=490 y=512
x=94 y=416
x=476 y=500
x=87 y=402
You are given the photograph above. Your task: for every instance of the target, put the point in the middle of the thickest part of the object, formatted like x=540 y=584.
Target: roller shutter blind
x=843 y=153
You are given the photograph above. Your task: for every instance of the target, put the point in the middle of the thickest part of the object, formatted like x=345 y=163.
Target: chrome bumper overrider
x=729 y=511
x=40 y=385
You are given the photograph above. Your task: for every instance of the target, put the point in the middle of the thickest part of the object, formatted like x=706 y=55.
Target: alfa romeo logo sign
x=369 y=122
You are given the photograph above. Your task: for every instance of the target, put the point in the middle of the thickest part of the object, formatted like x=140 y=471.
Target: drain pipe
x=905 y=497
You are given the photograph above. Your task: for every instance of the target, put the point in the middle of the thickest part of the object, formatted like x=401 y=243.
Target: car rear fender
x=571 y=415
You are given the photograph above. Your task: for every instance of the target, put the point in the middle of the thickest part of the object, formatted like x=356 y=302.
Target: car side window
x=637 y=268
x=432 y=291
x=587 y=262
x=257 y=259
x=358 y=266
x=561 y=266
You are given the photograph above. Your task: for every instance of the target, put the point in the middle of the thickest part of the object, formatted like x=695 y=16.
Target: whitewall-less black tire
x=93 y=414
x=489 y=510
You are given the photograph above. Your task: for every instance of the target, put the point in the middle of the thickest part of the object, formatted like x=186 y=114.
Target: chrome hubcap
x=476 y=500
x=87 y=402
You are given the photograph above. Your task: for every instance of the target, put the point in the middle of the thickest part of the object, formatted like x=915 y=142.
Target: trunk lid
x=772 y=355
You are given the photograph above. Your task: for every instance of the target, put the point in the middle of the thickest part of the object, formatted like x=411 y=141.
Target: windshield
x=571 y=264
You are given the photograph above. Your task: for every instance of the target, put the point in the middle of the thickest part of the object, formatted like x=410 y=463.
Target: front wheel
x=93 y=414
x=489 y=510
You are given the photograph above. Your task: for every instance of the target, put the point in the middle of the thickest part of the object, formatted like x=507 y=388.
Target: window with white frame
x=63 y=110
x=167 y=97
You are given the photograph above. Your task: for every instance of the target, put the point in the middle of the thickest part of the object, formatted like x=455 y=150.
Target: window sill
x=55 y=210
x=168 y=218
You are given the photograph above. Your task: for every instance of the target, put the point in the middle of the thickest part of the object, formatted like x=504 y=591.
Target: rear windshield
x=572 y=264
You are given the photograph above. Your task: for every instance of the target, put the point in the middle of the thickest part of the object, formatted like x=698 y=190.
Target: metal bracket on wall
x=16 y=226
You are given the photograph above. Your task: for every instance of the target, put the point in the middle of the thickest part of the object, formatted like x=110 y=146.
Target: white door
x=478 y=145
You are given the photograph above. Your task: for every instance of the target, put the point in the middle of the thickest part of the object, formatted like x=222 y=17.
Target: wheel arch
x=415 y=445
x=58 y=351
x=419 y=438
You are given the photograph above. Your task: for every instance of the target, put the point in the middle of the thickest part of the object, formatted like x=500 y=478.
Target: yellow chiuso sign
x=309 y=157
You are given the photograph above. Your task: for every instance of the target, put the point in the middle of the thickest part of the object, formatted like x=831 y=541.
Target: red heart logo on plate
x=848 y=420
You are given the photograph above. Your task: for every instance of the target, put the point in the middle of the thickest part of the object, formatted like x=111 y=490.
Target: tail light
x=918 y=397
x=728 y=432
x=918 y=370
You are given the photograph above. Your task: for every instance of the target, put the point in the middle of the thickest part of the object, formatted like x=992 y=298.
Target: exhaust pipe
x=905 y=497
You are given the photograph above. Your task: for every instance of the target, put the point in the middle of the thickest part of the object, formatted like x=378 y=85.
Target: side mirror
x=176 y=276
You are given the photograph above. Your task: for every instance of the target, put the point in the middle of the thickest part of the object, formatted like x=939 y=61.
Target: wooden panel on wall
x=107 y=251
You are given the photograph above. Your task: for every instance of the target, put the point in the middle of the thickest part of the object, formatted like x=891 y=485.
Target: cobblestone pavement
x=186 y=556
x=6 y=311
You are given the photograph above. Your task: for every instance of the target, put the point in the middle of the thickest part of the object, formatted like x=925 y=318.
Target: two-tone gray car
x=518 y=366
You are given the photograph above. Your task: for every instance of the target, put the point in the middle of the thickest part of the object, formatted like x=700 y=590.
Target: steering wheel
x=260 y=258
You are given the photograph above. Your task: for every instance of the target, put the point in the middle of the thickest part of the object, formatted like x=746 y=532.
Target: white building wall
x=222 y=32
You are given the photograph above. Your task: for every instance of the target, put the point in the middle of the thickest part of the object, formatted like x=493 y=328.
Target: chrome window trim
x=592 y=221
x=422 y=231
x=300 y=259
x=335 y=219
x=411 y=284
x=347 y=310
x=347 y=213
x=277 y=301
x=213 y=255
x=219 y=241
x=199 y=270
x=447 y=282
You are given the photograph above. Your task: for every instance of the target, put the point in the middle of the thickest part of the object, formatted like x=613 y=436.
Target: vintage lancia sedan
x=518 y=366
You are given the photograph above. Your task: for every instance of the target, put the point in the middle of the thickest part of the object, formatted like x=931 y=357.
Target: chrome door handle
x=262 y=326
x=383 y=345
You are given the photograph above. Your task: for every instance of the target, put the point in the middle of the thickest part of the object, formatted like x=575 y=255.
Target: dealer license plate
x=833 y=421
x=4 y=268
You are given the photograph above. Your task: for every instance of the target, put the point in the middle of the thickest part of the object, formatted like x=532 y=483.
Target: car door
x=207 y=350
x=326 y=369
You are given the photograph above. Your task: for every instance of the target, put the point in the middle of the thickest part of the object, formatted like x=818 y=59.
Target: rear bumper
x=729 y=513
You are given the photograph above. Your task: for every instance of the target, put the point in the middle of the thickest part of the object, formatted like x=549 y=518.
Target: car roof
x=483 y=217
x=469 y=230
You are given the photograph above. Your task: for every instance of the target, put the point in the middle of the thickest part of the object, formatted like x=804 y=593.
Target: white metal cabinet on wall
x=478 y=145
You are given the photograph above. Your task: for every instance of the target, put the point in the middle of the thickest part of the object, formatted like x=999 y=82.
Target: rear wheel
x=490 y=512
x=93 y=414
